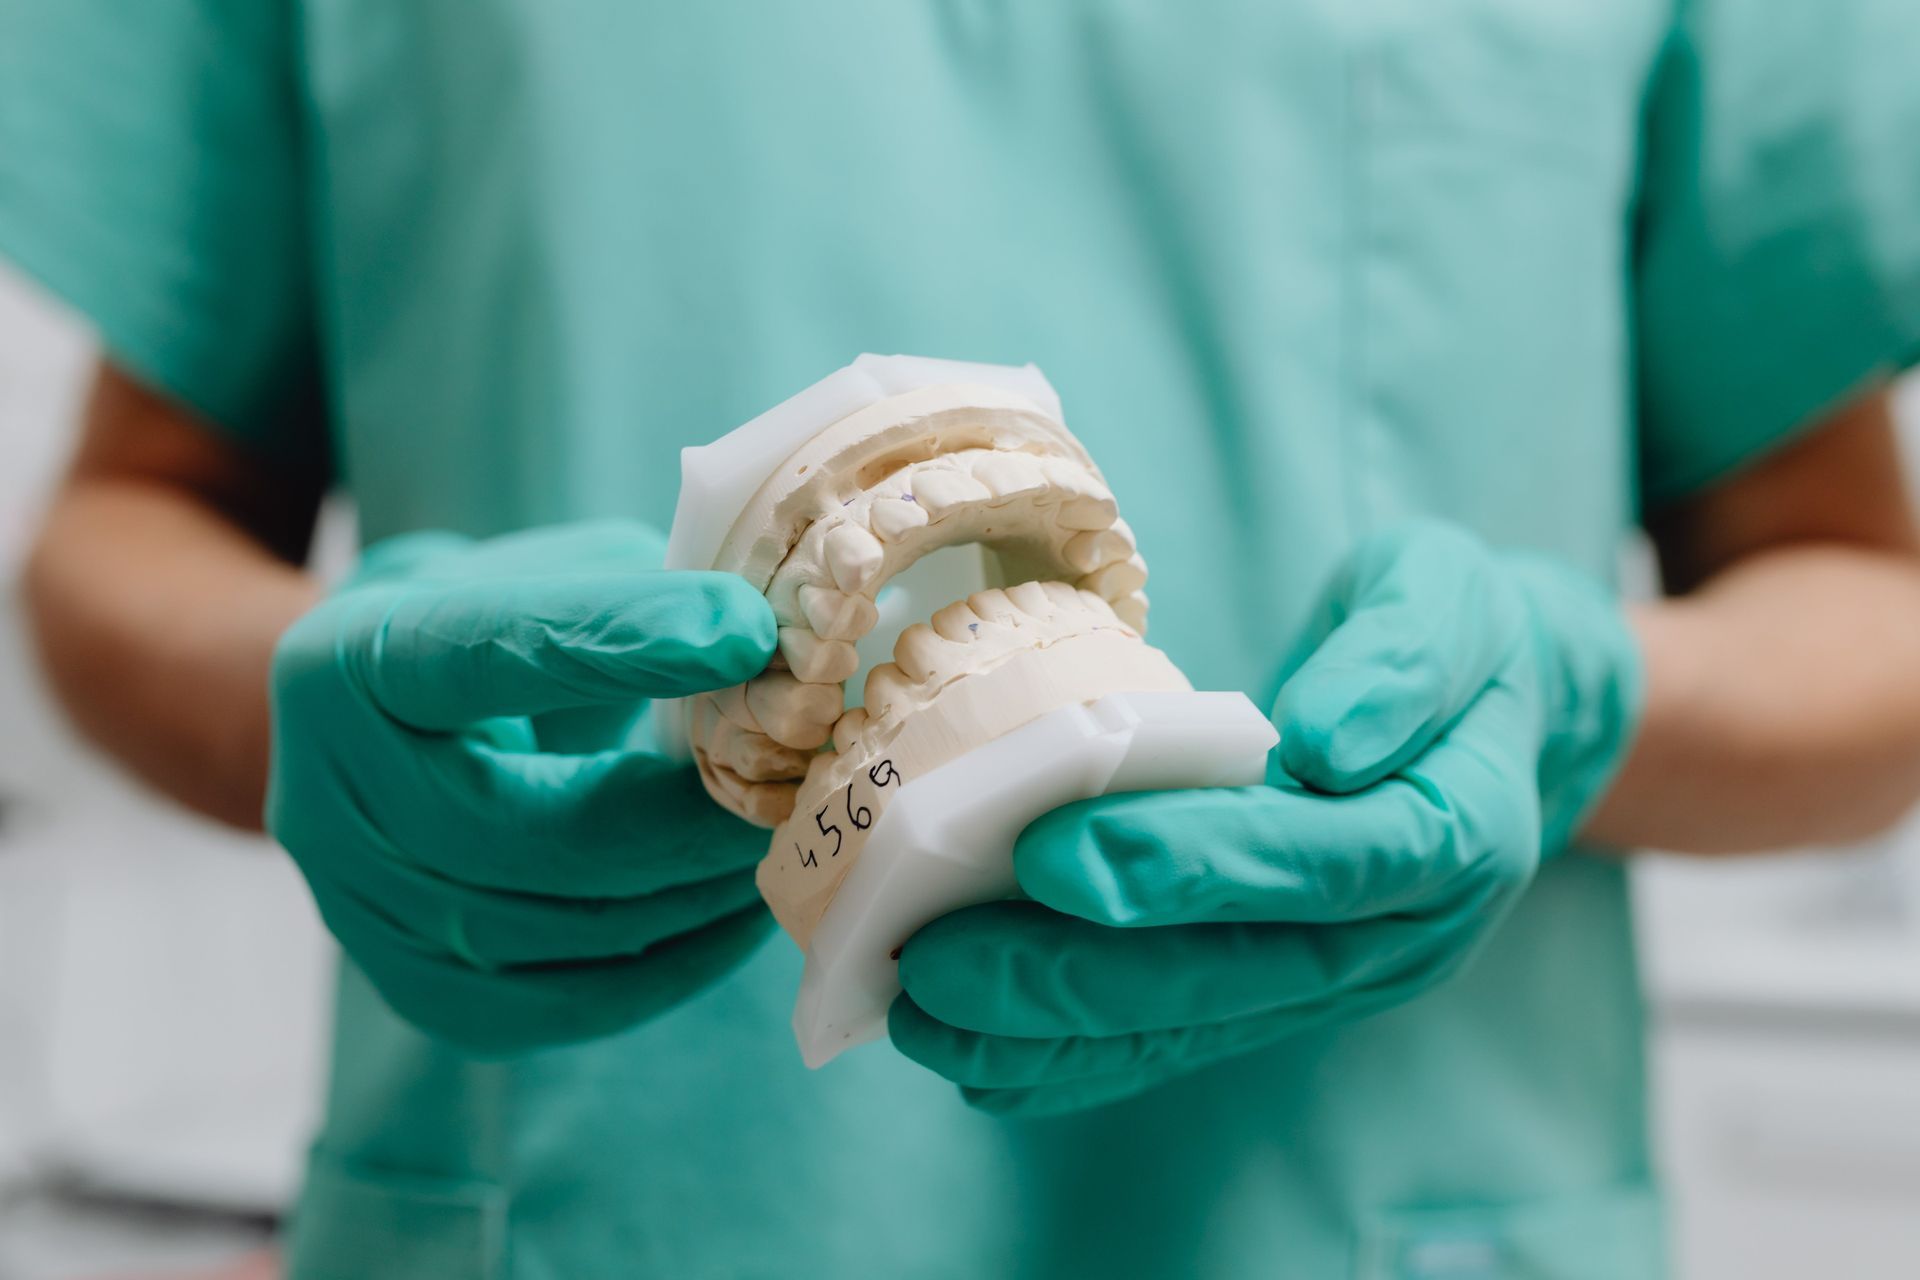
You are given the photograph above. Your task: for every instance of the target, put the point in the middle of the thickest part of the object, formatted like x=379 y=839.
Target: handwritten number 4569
x=880 y=775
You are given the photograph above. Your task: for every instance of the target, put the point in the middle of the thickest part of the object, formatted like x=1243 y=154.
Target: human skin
x=1781 y=707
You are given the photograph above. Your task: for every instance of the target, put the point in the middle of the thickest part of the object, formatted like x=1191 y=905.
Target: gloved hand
x=500 y=893
x=1450 y=716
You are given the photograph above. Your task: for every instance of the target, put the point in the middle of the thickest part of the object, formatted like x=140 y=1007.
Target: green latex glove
x=449 y=771
x=1450 y=717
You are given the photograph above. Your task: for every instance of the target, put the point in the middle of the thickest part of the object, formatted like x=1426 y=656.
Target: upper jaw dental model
x=1031 y=690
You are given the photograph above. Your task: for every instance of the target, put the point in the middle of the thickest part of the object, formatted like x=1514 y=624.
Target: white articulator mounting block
x=939 y=513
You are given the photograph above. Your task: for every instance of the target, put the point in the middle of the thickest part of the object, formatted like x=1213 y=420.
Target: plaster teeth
x=756 y=757
x=940 y=490
x=704 y=719
x=792 y=712
x=847 y=729
x=1032 y=598
x=1009 y=475
x=731 y=703
x=835 y=615
x=765 y=804
x=1085 y=502
x=768 y=804
x=1093 y=602
x=886 y=685
x=854 y=557
x=958 y=623
x=1132 y=610
x=815 y=660
x=918 y=651
x=894 y=518
x=993 y=606
x=1118 y=579
x=1063 y=596
x=783 y=596
x=1096 y=549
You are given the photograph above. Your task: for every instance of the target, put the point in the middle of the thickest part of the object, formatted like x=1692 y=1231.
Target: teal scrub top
x=1299 y=269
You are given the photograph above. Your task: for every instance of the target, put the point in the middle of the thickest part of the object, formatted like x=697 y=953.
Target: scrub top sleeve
x=1778 y=260
x=150 y=177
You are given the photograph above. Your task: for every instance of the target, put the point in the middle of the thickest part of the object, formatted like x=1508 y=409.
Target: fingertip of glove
x=927 y=959
x=908 y=1026
x=727 y=627
x=1328 y=739
x=1058 y=863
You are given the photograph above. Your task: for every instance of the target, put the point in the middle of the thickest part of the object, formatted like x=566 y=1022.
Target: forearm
x=1782 y=705
x=156 y=617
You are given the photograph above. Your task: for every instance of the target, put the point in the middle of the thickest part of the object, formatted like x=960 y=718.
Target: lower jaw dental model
x=1033 y=689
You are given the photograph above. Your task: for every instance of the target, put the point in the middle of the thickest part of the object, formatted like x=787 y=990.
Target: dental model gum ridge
x=857 y=504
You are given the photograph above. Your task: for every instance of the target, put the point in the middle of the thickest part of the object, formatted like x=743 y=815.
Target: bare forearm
x=1783 y=705
x=156 y=619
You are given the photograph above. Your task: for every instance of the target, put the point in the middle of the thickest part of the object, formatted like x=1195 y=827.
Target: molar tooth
x=1086 y=503
x=792 y=712
x=768 y=804
x=1132 y=610
x=918 y=651
x=993 y=606
x=1031 y=598
x=1062 y=595
x=1093 y=602
x=894 y=518
x=1009 y=475
x=815 y=660
x=835 y=615
x=957 y=622
x=1117 y=579
x=1089 y=511
x=765 y=804
x=847 y=729
x=887 y=686
x=854 y=557
x=1098 y=548
x=940 y=490
x=758 y=758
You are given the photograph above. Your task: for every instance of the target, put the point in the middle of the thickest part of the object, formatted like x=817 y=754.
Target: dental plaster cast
x=903 y=457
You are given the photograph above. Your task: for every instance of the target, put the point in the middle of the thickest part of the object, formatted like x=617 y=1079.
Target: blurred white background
x=163 y=989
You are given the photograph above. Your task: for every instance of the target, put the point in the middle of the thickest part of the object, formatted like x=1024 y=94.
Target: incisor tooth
x=894 y=518
x=1009 y=475
x=940 y=490
x=792 y=712
x=846 y=730
x=835 y=615
x=815 y=660
x=918 y=651
x=1117 y=579
x=1132 y=610
x=886 y=685
x=854 y=557
x=957 y=622
x=1097 y=548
